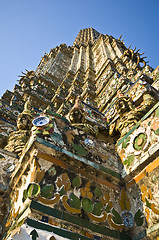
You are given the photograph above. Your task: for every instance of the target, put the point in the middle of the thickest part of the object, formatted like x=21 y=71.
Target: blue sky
x=31 y=27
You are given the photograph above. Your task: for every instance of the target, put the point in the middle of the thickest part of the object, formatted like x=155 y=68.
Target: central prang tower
x=79 y=140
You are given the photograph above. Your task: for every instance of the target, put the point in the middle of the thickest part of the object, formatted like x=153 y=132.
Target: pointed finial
x=138 y=50
x=120 y=37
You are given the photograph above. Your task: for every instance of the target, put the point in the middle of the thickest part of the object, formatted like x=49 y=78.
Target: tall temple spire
x=80 y=161
x=85 y=36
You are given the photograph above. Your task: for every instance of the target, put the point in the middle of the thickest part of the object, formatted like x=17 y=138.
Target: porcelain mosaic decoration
x=79 y=145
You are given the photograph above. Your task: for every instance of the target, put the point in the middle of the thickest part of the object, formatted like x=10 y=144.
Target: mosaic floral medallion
x=89 y=143
x=140 y=141
x=127 y=218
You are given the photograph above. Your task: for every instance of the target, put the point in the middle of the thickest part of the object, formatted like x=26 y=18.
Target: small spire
x=85 y=36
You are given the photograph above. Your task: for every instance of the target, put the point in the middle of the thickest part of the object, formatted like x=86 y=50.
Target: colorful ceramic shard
x=41 y=121
x=89 y=143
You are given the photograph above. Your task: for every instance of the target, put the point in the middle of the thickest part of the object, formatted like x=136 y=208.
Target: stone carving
x=146 y=105
x=77 y=118
x=128 y=114
x=126 y=118
x=135 y=56
x=17 y=139
x=24 y=119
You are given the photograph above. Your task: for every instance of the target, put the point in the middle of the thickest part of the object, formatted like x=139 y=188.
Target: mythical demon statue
x=126 y=118
x=77 y=118
x=17 y=139
x=128 y=113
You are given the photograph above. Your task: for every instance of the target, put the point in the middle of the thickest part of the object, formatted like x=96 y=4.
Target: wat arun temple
x=79 y=145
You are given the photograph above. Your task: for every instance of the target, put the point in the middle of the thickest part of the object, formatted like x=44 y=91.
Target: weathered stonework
x=79 y=140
